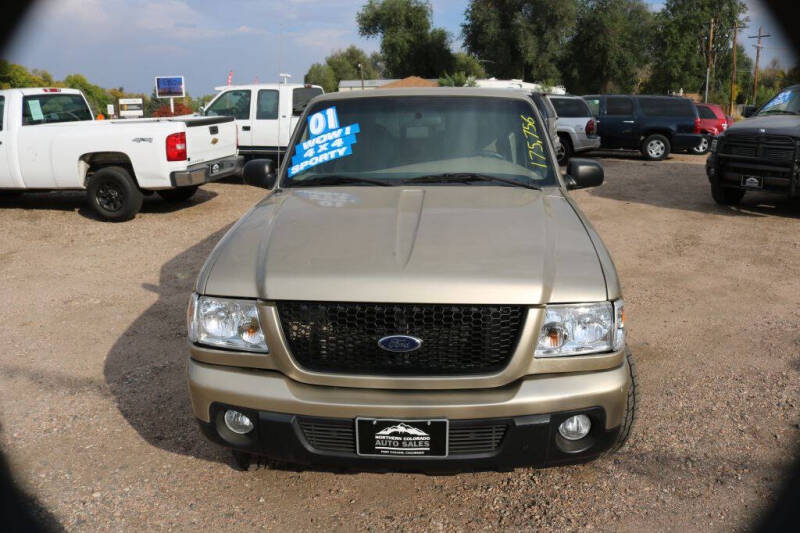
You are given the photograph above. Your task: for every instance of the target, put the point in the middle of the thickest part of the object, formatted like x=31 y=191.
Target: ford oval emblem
x=400 y=343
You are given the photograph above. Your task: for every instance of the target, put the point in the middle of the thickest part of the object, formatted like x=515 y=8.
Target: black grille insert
x=334 y=435
x=456 y=339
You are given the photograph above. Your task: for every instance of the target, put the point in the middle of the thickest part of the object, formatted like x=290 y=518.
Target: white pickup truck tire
x=181 y=194
x=114 y=194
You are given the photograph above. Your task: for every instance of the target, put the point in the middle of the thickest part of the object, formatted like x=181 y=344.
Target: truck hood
x=435 y=244
x=771 y=124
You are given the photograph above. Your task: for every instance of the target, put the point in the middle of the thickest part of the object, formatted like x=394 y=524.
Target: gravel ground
x=96 y=418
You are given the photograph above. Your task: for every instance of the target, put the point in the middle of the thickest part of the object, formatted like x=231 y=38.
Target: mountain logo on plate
x=400 y=343
x=401 y=429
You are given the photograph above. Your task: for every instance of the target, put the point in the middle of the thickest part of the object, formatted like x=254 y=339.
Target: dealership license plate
x=401 y=438
x=752 y=182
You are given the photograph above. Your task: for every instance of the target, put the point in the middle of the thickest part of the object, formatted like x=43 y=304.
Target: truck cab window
x=52 y=108
x=267 y=105
x=234 y=104
x=594 y=106
x=300 y=98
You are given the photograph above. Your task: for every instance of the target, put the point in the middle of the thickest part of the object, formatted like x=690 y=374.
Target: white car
x=266 y=114
x=49 y=141
x=576 y=126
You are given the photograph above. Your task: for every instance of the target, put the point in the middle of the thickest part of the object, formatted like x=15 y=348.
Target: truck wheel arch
x=90 y=163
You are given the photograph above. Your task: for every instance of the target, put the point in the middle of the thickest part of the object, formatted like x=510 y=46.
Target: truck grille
x=456 y=339
x=334 y=435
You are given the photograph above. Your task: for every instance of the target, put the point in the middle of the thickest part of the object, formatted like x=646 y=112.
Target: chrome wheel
x=561 y=153
x=702 y=147
x=656 y=148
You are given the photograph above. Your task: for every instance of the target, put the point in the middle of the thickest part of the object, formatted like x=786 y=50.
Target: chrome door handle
x=629 y=121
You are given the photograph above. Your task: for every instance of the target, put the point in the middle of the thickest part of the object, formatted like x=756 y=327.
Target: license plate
x=401 y=438
x=753 y=182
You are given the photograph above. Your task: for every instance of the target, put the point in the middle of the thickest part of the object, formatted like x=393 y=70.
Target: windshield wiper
x=334 y=179
x=779 y=111
x=467 y=177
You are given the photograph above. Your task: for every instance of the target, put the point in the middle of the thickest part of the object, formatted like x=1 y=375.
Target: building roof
x=411 y=81
x=426 y=91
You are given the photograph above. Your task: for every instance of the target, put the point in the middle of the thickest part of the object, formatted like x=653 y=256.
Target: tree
x=457 y=79
x=342 y=65
x=520 y=38
x=682 y=32
x=469 y=65
x=608 y=52
x=97 y=96
x=165 y=111
x=409 y=43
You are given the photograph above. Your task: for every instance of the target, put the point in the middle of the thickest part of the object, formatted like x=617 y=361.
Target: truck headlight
x=225 y=323
x=579 y=329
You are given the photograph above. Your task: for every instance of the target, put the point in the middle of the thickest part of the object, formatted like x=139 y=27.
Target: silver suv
x=577 y=128
x=418 y=291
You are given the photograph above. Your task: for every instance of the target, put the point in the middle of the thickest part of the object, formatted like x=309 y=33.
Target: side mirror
x=201 y=109
x=582 y=173
x=748 y=111
x=259 y=173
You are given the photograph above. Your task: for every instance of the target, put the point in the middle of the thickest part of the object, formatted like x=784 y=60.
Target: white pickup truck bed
x=49 y=141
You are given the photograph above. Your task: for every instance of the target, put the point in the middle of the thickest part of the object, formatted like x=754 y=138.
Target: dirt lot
x=97 y=425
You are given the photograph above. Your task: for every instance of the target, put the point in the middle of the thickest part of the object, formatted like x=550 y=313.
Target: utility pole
x=733 y=74
x=758 y=56
x=708 y=62
x=361 y=70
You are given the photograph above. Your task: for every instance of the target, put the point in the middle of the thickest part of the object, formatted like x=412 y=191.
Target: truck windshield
x=787 y=102
x=459 y=140
x=52 y=108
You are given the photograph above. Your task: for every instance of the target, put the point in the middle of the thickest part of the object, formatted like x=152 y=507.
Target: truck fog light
x=573 y=428
x=238 y=422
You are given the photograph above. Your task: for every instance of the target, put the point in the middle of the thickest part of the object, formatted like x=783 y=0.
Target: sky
x=127 y=42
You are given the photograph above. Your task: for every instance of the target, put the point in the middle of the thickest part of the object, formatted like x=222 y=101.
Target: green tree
x=681 y=42
x=97 y=96
x=342 y=65
x=457 y=79
x=409 y=43
x=520 y=38
x=469 y=65
x=608 y=52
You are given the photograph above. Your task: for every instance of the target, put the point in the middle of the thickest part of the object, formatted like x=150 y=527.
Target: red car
x=713 y=121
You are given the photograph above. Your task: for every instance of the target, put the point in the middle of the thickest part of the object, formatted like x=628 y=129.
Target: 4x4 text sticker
x=327 y=141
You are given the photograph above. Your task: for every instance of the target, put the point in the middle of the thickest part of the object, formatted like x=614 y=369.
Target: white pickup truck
x=49 y=141
x=266 y=114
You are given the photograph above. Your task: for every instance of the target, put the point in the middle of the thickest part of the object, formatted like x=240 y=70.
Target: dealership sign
x=131 y=107
x=170 y=87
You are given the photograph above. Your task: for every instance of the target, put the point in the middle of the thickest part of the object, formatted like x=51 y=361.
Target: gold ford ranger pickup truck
x=417 y=291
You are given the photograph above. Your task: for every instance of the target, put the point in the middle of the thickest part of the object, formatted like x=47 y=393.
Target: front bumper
x=206 y=172
x=530 y=408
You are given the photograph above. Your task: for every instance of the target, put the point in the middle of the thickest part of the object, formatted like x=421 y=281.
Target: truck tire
x=565 y=150
x=113 y=194
x=726 y=196
x=655 y=147
x=181 y=194
x=631 y=406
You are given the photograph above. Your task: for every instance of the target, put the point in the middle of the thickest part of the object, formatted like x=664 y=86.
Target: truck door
x=618 y=127
x=5 y=167
x=235 y=103
x=268 y=123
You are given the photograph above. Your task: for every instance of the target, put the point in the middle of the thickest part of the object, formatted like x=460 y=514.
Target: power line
x=758 y=56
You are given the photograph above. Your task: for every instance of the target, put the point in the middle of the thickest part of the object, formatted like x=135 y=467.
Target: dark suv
x=655 y=125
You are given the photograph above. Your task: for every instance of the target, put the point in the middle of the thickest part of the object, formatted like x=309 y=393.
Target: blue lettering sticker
x=327 y=141
x=782 y=98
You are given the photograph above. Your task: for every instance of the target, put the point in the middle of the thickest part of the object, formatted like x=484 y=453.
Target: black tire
x=113 y=194
x=701 y=148
x=631 y=406
x=655 y=147
x=565 y=152
x=181 y=194
x=725 y=195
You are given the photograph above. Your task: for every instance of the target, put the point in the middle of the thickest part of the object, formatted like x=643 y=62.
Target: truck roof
x=431 y=91
x=265 y=86
x=27 y=91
